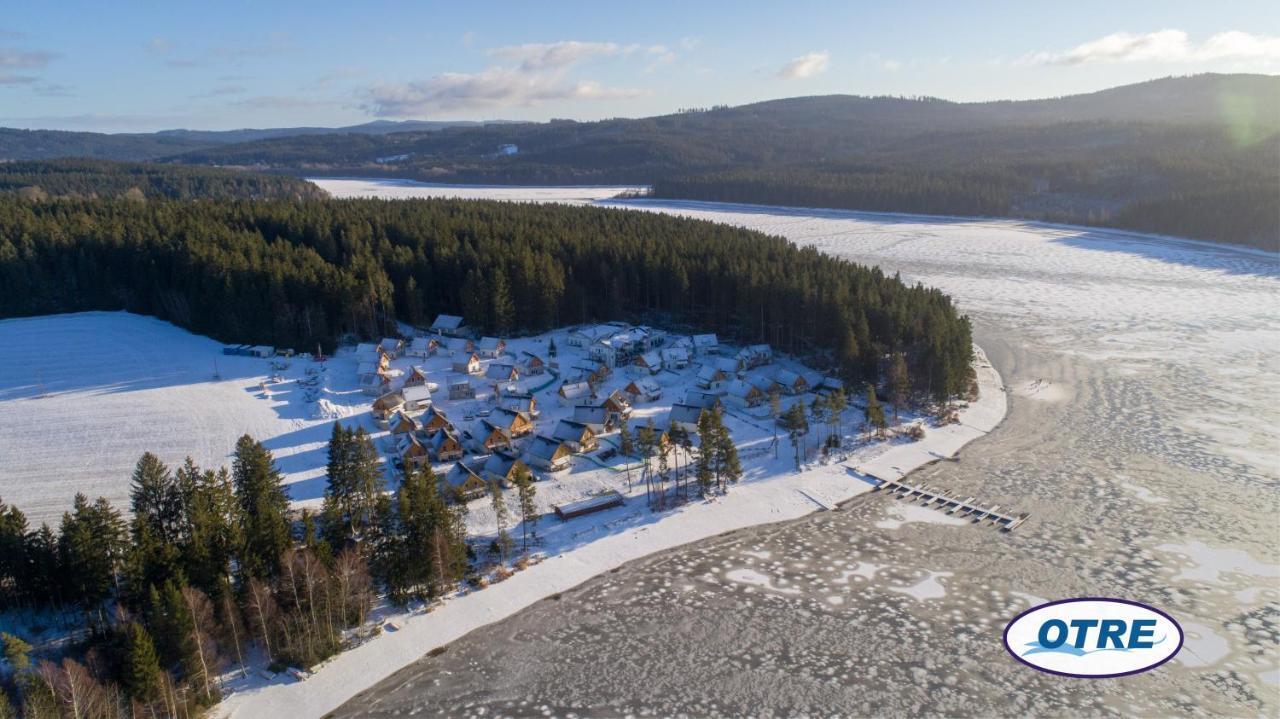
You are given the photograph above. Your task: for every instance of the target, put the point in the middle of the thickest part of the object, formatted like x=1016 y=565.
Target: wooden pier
x=943 y=501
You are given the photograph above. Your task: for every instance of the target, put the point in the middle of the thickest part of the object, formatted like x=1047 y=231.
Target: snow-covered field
x=402 y=189
x=82 y=396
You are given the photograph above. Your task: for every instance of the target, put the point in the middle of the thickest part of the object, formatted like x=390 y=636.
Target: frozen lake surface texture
x=1142 y=435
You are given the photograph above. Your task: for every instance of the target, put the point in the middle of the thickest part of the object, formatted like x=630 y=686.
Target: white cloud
x=15 y=59
x=807 y=65
x=495 y=87
x=539 y=73
x=540 y=56
x=1167 y=46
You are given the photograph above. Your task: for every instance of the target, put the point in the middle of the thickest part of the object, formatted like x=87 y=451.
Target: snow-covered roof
x=366 y=348
x=575 y=389
x=416 y=393
x=499 y=370
x=705 y=341
x=647 y=385
x=391 y=344
x=544 y=447
x=590 y=414
x=569 y=430
x=500 y=464
x=739 y=388
x=651 y=359
x=708 y=373
x=489 y=343
x=446 y=322
x=701 y=399
x=420 y=343
x=686 y=413
x=675 y=354
x=462 y=357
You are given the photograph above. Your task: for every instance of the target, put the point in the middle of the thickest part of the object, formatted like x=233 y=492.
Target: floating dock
x=943 y=501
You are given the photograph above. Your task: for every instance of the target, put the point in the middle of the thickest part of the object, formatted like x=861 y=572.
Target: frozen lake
x=1142 y=435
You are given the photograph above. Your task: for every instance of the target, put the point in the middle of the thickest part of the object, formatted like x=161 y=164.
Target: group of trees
x=712 y=461
x=211 y=565
x=298 y=274
x=84 y=178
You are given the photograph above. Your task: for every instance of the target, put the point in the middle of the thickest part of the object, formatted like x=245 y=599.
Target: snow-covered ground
x=403 y=189
x=585 y=547
x=82 y=396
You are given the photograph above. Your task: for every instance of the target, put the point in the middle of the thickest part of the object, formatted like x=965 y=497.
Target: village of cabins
x=478 y=410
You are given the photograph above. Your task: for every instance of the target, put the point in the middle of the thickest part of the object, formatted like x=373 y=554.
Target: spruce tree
x=899 y=383
x=502 y=516
x=16 y=651
x=264 y=506
x=140 y=666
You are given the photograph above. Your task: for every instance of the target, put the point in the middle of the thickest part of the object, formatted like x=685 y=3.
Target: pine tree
x=140 y=666
x=797 y=426
x=874 y=412
x=528 y=508
x=899 y=383
x=706 y=453
x=264 y=506
x=502 y=517
x=626 y=447
x=91 y=546
x=727 y=454
x=775 y=411
x=16 y=651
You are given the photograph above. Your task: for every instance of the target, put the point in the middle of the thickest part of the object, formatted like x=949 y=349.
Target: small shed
x=598 y=503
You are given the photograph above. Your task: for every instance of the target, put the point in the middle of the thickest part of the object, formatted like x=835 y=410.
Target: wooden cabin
x=465 y=481
x=643 y=390
x=571 y=392
x=449 y=325
x=401 y=423
x=503 y=469
x=548 y=453
x=417 y=377
x=533 y=364
x=502 y=372
x=490 y=347
x=413 y=454
x=435 y=420
x=391 y=348
x=446 y=446
x=686 y=416
x=488 y=437
x=517 y=424
x=423 y=347
x=385 y=405
x=465 y=362
x=578 y=436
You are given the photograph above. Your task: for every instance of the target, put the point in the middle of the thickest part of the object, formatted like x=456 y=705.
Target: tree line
x=302 y=274
x=85 y=178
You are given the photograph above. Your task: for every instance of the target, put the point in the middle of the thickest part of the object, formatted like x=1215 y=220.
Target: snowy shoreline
x=754 y=502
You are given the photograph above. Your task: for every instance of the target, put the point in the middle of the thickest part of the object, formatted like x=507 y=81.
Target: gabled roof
x=739 y=388
x=501 y=370
x=507 y=416
x=489 y=343
x=439 y=437
x=459 y=473
x=421 y=343
x=544 y=447
x=575 y=389
x=590 y=414
x=501 y=465
x=708 y=372
x=646 y=385
x=675 y=354
x=707 y=340
x=686 y=413
x=651 y=359
x=416 y=393
x=701 y=399
x=365 y=348
x=569 y=430
x=446 y=322
x=391 y=344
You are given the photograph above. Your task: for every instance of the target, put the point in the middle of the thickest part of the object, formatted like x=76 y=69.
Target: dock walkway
x=943 y=501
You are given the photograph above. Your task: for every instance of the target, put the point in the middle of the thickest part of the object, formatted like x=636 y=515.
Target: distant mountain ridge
x=16 y=144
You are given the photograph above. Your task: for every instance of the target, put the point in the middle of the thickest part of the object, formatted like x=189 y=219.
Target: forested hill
x=1193 y=156
x=295 y=274
x=102 y=178
x=16 y=144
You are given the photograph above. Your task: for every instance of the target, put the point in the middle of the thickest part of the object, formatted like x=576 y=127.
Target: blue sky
x=141 y=66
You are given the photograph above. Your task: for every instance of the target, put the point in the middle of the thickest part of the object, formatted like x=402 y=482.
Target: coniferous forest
x=302 y=274
x=210 y=570
x=84 y=178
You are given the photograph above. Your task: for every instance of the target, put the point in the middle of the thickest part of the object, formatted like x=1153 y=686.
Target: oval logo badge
x=1093 y=637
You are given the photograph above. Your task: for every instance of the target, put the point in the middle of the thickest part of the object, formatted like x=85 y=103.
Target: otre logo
x=1093 y=637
